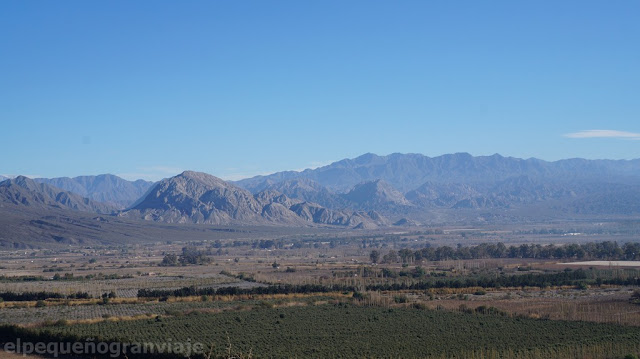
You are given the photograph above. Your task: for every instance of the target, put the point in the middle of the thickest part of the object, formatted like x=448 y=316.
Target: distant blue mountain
x=407 y=172
x=400 y=182
x=23 y=191
x=102 y=188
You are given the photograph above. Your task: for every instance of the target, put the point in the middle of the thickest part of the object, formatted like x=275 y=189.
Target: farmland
x=124 y=288
x=344 y=330
x=30 y=315
x=495 y=294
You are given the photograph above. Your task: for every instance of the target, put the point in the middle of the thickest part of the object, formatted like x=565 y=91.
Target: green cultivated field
x=334 y=331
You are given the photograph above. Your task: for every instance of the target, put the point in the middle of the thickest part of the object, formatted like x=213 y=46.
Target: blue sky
x=145 y=89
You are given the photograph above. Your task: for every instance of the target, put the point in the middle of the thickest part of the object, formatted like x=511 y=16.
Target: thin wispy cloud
x=604 y=134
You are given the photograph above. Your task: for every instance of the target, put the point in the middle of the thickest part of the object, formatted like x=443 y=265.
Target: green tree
x=374 y=256
x=390 y=257
x=406 y=255
x=169 y=260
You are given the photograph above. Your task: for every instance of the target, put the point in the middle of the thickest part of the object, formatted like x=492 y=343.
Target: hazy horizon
x=131 y=177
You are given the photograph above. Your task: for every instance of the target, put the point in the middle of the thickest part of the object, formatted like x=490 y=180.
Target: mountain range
x=194 y=197
x=103 y=188
x=27 y=192
x=369 y=191
x=401 y=183
x=406 y=172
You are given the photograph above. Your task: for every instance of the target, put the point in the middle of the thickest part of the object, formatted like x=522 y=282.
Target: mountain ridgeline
x=25 y=192
x=194 y=197
x=102 y=188
x=401 y=183
x=407 y=172
x=366 y=192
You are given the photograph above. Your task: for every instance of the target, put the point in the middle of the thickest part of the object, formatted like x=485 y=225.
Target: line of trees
x=272 y=289
x=607 y=250
x=35 y=296
x=65 y=277
x=580 y=278
x=568 y=277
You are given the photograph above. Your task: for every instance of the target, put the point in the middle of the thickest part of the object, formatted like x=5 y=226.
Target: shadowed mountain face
x=310 y=191
x=38 y=227
x=194 y=197
x=103 y=188
x=433 y=195
x=376 y=195
x=26 y=192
